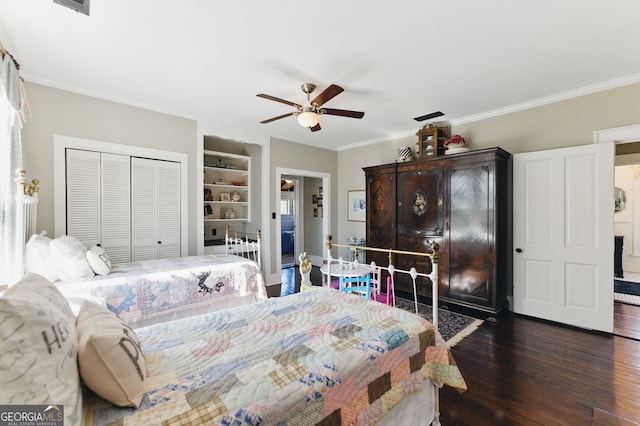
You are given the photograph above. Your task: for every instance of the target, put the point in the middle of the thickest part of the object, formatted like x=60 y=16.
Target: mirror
x=619 y=198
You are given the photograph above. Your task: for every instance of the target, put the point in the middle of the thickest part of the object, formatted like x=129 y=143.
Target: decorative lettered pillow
x=38 y=348
x=99 y=260
x=109 y=356
x=69 y=255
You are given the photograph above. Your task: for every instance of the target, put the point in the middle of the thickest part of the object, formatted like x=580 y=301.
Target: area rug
x=626 y=292
x=452 y=326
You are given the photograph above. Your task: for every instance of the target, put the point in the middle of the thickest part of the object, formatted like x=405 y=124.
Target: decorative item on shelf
x=455 y=145
x=430 y=141
x=404 y=154
x=208 y=211
x=221 y=164
x=208 y=196
x=235 y=196
x=237 y=182
x=225 y=196
x=229 y=214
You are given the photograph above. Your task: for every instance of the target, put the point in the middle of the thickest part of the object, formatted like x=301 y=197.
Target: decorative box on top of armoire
x=461 y=201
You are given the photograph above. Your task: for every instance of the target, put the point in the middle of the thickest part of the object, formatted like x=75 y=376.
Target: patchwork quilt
x=163 y=289
x=319 y=357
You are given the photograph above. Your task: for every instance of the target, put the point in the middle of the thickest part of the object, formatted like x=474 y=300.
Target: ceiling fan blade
x=328 y=94
x=273 y=98
x=342 y=112
x=269 y=120
x=315 y=128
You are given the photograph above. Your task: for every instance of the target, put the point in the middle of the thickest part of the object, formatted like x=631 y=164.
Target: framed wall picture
x=356 y=206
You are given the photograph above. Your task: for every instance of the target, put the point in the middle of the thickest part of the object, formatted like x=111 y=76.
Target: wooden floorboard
x=523 y=371
x=626 y=320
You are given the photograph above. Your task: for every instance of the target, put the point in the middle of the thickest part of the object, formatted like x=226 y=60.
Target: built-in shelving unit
x=226 y=192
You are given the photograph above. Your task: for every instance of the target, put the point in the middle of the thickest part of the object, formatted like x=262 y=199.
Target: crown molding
x=546 y=100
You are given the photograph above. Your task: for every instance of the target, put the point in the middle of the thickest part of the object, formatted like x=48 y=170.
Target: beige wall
x=291 y=155
x=561 y=124
x=56 y=111
x=59 y=112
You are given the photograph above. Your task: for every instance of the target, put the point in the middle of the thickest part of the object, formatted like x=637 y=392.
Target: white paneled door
x=563 y=235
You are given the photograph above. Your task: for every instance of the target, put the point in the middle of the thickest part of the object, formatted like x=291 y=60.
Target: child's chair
x=357 y=285
x=376 y=287
x=387 y=298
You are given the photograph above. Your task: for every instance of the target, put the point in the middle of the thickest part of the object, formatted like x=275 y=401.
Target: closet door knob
x=518 y=250
x=159 y=242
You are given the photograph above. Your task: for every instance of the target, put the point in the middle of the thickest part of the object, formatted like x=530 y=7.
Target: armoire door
x=420 y=216
x=381 y=212
x=155 y=209
x=470 y=234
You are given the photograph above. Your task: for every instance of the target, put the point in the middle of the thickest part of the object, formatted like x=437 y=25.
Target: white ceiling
x=207 y=59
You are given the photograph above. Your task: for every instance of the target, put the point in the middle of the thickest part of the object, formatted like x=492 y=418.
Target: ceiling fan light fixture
x=308 y=118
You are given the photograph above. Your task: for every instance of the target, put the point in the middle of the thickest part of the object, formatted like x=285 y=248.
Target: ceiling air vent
x=81 y=6
x=429 y=116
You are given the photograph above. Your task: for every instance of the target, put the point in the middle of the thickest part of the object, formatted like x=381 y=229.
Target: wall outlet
x=213 y=231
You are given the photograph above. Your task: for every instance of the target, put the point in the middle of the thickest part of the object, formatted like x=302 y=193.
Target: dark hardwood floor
x=626 y=320
x=524 y=371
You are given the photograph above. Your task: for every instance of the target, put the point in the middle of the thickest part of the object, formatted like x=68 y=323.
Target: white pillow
x=39 y=257
x=99 y=260
x=69 y=255
x=39 y=348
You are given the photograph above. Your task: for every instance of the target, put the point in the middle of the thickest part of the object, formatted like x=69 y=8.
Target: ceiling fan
x=309 y=113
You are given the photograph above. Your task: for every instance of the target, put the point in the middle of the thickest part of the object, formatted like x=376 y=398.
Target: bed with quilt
x=147 y=291
x=155 y=290
x=318 y=357
x=321 y=357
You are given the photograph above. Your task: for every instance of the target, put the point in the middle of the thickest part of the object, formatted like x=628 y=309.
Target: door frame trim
x=618 y=135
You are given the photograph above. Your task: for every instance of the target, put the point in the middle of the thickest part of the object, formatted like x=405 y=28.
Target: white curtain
x=11 y=157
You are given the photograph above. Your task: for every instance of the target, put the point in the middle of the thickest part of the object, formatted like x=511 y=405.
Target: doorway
x=289 y=218
x=626 y=322
x=311 y=224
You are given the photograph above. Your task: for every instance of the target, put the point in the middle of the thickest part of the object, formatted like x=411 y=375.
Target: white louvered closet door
x=116 y=207
x=155 y=209
x=83 y=195
x=169 y=209
x=98 y=201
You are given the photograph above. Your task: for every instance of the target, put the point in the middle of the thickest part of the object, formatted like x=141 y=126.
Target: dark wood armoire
x=461 y=201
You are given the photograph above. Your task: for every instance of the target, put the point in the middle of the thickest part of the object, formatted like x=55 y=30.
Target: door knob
x=518 y=250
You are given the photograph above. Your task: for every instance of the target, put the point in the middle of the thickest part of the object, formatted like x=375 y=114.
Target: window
x=286 y=207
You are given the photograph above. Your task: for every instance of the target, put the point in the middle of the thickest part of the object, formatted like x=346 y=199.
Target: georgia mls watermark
x=31 y=415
